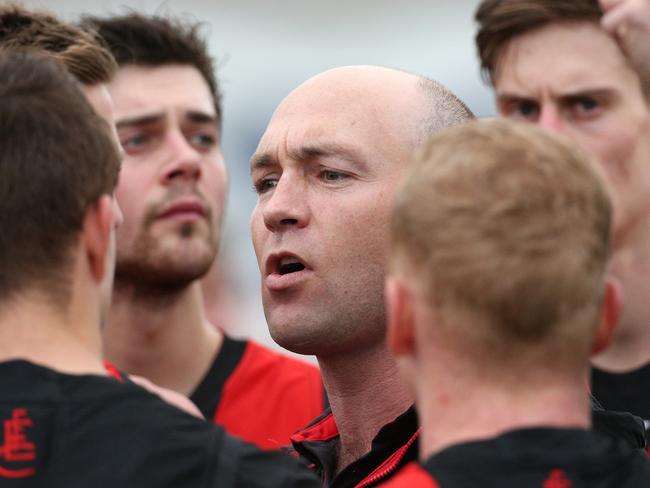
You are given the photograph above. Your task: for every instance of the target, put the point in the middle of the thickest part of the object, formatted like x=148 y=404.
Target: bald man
x=325 y=172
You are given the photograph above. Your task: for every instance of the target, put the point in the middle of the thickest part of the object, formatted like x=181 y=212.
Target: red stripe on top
x=269 y=396
x=411 y=476
x=113 y=371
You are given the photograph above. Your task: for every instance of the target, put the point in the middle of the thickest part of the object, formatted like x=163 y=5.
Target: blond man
x=497 y=297
x=591 y=94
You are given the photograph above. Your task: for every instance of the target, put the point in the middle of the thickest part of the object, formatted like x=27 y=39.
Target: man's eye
x=519 y=109
x=265 y=184
x=526 y=109
x=203 y=140
x=134 y=142
x=586 y=104
x=332 y=176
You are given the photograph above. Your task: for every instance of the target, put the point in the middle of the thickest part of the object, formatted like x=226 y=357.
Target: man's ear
x=610 y=313
x=97 y=226
x=400 y=309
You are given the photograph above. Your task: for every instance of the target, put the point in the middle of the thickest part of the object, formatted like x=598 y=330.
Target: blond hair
x=509 y=225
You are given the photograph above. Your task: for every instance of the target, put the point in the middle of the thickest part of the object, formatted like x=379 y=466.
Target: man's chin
x=163 y=274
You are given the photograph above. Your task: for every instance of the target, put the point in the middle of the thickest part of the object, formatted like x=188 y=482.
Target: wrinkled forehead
x=565 y=55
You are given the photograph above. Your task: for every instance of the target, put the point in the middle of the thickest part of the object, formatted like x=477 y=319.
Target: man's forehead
x=100 y=99
x=590 y=59
x=169 y=88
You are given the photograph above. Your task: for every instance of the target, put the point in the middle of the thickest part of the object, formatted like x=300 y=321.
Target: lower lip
x=278 y=282
x=183 y=216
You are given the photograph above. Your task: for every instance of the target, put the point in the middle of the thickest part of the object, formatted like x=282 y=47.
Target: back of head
x=57 y=157
x=499 y=21
x=504 y=231
x=81 y=52
x=154 y=41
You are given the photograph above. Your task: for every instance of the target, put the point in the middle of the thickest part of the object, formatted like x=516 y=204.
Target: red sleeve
x=269 y=396
x=411 y=476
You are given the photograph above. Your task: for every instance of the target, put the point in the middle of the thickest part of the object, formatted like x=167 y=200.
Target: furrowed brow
x=201 y=118
x=139 y=120
x=261 y=161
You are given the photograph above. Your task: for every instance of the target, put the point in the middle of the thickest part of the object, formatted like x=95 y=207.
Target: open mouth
x=289 y=265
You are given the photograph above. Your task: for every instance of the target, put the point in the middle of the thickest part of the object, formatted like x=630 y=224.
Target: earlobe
x=610 y=314
x=97 y=226
x=401 y=318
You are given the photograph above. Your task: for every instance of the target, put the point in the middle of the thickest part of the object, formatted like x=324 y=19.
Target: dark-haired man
x=172 y=190
x=497 y=297
x=65 y=422
x=93 y=66
x=552 y=64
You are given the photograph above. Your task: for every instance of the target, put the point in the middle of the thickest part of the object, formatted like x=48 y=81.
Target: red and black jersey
x=259 y=395
x=394 y=446
x=532 y=458
x=80 y=431
x=397 y=444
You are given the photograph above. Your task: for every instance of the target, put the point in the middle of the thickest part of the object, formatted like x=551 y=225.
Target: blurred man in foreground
x=497 y=298
x=552 y=64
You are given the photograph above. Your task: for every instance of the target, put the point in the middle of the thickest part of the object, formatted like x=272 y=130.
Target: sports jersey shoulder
x=541 y=457
x=64 y=430
x=258 y=394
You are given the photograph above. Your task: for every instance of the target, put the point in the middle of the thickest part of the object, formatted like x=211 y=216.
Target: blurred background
x=266 y=48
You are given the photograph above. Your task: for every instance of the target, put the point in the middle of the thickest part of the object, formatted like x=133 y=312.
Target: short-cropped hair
x=499 y=21
x=81 y=52
x=154 y=41
x=510 y=225
x=57 y=157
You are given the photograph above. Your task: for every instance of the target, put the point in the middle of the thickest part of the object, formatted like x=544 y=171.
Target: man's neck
x=163 y=337
x=365 y=392
x=630 y=348
x=35 y=331
x=453 y=410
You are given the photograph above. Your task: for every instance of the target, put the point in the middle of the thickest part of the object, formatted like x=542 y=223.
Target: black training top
x=626 y=392
x=532 y=458
x=62 y=430
x=394 y=446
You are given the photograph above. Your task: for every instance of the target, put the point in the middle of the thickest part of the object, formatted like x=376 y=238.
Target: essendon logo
x=16 y=447
x=557 y=479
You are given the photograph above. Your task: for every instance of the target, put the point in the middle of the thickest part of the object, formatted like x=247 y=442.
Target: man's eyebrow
x=140 y=120
x=261 y=161
x=574 y=92
x=327 y=150
x=309 y=152
x=201 y=117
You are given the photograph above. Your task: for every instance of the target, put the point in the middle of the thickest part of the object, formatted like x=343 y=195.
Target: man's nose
x=183 y=160
x=288 y=204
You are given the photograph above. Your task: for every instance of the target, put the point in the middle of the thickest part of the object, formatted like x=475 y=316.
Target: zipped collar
x=395 y=445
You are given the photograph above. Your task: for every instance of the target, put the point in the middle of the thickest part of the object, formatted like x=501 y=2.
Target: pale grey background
x=266 y=48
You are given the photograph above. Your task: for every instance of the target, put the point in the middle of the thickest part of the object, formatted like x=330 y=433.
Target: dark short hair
x=499 y=21
x=136 y=39
x=81 y=52
x=57 y=157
